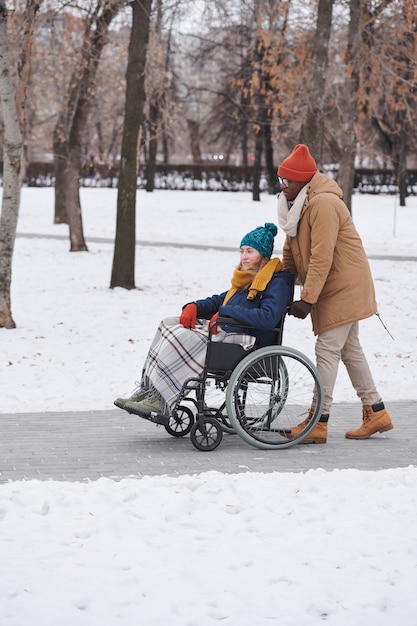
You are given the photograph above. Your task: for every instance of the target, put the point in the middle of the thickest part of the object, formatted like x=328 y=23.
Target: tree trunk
x=156 y=98
x=243 y=129
x=400 y=165
x=153 y=147
x=270 y=168
x=244 y=141
x=23 y=69
x=313 y=126
x=194 y=134
x=256 y=192
x=11 y=175
x=60 y=148
x=165 y=145
x=72 y=201
x=123 y=270
x=12 y=111
x=348 y=109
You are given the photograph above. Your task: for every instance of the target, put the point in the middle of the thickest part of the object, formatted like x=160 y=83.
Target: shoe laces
x=309 y=414
x=139 y=388
x=152 y=394
x=366 y=412
x=306 y=421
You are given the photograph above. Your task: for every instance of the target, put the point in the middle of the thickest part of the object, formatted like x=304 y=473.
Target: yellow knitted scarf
x=259 y=283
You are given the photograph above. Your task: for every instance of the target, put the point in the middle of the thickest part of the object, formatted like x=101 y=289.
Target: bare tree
x=12 y=106
x=390 y=80
x=239 y=57
x=312 y=130
x=157 y=88
x=269 y=54
x=123 y=270
x=70 y=128
x=348 y=106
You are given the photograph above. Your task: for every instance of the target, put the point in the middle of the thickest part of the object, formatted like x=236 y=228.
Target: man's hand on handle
x=300 y=309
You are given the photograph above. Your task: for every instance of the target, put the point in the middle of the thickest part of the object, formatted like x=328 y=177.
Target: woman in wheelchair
x=259 y=293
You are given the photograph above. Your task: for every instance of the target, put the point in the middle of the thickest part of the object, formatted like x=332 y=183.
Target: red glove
x=212 y=323
x=188 y=316
x=300 y=309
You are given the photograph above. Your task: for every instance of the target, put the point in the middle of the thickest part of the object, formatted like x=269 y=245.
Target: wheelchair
x=259 y=394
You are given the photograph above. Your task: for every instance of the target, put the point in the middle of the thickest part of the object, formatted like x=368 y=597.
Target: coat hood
x=320 y=183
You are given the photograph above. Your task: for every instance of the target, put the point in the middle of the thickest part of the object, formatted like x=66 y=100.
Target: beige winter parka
x=328 y=256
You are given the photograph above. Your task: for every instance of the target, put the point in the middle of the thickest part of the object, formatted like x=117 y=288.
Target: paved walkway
x=82 y=446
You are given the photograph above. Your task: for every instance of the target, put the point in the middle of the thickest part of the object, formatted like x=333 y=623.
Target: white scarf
x=288 y=218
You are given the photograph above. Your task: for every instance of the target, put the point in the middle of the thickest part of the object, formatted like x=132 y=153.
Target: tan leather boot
x=375 y=419
x=317 y=435
x=293 y=432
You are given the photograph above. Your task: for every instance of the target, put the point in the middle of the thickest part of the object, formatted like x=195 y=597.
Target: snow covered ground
x=245 y=550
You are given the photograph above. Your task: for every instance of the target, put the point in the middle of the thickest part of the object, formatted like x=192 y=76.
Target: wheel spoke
x=270 y=393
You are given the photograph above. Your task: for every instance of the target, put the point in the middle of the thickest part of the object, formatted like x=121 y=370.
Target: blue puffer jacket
x=263 y=312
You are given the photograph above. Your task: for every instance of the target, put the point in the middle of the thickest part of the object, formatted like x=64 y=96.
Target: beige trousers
x=342 y=344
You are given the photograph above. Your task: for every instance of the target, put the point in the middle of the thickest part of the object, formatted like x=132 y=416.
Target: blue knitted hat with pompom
x=262 y=239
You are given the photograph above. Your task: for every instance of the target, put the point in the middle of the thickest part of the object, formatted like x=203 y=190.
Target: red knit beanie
x=299 y=166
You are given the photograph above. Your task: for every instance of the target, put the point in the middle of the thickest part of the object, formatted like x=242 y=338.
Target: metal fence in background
x=209 y=177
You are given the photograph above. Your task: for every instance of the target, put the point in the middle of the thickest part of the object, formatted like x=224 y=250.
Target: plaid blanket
x=177 y=353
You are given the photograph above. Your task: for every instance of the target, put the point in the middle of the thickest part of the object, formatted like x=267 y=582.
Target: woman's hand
x=188 y=316
x=212 y=323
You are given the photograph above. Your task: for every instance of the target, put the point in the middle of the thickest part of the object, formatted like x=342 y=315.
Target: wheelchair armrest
x=230 y=321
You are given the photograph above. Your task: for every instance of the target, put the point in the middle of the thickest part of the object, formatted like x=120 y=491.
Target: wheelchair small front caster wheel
x=206 y=434
x=181 y=423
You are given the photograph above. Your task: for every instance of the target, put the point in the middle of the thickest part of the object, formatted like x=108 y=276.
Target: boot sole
x=315 y=440
x=138 y=411
x=384 y=429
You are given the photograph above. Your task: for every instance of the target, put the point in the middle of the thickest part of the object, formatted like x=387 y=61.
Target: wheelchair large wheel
x=180 y=422
x=206 y=434
x=269 y=393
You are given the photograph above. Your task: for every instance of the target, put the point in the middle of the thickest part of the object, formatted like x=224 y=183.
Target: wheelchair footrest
x=161 y=418
x=155 y=418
